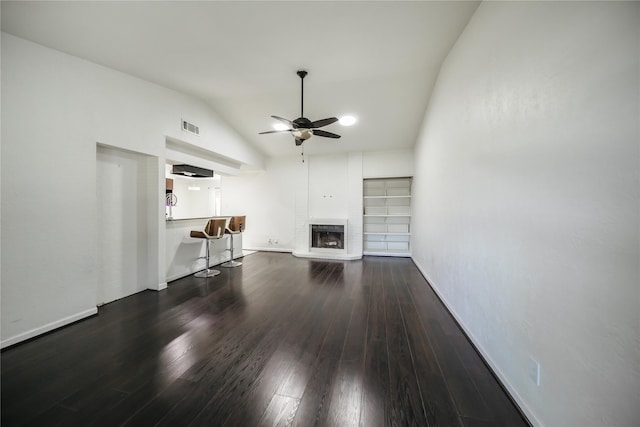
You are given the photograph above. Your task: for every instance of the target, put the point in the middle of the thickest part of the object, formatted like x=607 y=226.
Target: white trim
x=48 y=327
x=328 y=221
x=269 y=249
x=318 y=255
x=494 y=367
x=158 y=287
x=181 y=275
x=185 y=274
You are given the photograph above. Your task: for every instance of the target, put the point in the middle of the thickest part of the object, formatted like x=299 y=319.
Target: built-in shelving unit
x=387 y=216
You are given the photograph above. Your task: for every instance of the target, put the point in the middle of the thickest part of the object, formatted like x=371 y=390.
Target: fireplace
x=327 y=236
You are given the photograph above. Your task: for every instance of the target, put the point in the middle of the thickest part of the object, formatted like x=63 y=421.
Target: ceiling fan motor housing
x=302 y=122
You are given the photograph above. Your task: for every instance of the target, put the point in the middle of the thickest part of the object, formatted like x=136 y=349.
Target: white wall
x=279 y=201
x=268 y=199
x=387 y=164
x=526 y=187
x=55 y=109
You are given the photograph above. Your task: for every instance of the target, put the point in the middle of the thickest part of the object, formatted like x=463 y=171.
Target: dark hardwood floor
x=278 y=341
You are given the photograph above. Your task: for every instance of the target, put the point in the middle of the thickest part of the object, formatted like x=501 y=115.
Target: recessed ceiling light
x=347 y=120
x=280 y=126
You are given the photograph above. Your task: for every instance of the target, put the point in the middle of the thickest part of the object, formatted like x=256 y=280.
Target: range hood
x=191 y=171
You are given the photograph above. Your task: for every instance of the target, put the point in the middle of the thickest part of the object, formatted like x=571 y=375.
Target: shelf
x=388 y=207
x=392 y=187
x=388 y=197
x=387 y=217
x=386 y=246
x=397 y=254
x=384 y=216
x=387 y=234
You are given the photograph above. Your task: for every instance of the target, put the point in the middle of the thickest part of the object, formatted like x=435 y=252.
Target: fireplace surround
x=331 y=240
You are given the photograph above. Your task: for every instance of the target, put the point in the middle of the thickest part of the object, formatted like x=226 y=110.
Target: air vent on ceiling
x=190 y=127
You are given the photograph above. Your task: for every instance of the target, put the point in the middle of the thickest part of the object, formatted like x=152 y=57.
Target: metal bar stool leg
x=231 y=262
x=207 y=272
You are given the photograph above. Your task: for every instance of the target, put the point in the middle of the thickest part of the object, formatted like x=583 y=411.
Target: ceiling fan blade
x=325 y=133
x=323 y=122
x=275 y=131
x=287 y=121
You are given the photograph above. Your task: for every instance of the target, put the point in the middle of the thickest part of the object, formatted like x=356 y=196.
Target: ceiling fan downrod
x=302 y=74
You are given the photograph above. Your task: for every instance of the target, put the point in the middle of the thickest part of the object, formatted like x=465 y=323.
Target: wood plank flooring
x=278 y=341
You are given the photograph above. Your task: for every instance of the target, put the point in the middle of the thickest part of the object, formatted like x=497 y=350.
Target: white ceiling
x=375 y=60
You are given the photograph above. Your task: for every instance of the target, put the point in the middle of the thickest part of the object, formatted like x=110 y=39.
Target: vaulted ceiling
x=377 y=60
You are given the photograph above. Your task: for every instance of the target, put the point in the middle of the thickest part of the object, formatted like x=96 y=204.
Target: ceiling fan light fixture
x=347 y=120
x=302 y=134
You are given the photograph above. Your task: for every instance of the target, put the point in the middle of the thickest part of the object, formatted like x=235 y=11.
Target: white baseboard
x=487 y=358
x=158 y=287
x=177 y=276
x=48 y=327
x=270 y=249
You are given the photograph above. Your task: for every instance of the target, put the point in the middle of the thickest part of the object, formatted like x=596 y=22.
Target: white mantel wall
x=56 y=108
x=328 y=186
x=334 y=193
x=527 y=191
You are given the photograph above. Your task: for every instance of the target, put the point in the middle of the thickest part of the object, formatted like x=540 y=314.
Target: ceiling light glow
x=280 y=126
x=347 y=120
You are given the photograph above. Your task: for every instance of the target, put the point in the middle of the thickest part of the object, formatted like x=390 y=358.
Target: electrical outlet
x=534 y=371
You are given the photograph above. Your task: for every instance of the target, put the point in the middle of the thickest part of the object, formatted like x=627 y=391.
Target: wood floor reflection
x=278 y=341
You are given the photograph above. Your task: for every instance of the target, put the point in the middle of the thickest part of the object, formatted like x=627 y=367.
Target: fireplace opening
x=327 y=236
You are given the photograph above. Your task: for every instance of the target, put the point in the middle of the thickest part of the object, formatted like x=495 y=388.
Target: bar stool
x=214 y=230
x=236 y=226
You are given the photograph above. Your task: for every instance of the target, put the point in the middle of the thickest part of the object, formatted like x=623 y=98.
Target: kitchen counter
x=183 y=252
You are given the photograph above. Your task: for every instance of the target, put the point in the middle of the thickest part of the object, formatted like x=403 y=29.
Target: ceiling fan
x=303 y=128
